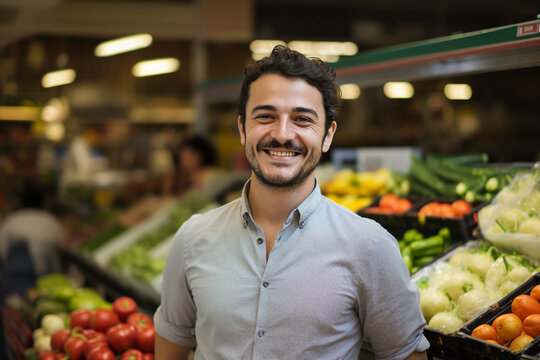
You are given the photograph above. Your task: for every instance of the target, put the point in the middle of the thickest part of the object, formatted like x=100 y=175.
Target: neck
x=274 y=204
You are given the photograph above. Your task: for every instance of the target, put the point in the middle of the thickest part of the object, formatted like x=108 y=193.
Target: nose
x=283 y=130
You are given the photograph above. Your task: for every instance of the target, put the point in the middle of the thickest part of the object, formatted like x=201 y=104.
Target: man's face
x=284 y=133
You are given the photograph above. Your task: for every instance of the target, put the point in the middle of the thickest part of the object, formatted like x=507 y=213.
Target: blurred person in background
x=29 y=240
x=283 y=272
x=195 y=169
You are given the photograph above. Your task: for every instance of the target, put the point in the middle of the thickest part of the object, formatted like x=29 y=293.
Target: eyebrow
x=298 y=109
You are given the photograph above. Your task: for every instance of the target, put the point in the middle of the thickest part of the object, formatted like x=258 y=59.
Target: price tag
x=528 y=29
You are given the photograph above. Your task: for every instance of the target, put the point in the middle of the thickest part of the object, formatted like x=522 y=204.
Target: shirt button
x=260 y=333
x=302 y=224
x=260 y=241
x=265 y=284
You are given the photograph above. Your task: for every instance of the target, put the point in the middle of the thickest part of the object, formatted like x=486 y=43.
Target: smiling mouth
x=281 y=153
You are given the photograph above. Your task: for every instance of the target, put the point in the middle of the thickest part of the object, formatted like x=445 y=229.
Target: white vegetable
x=39 y=332
x=478 y=263
x=473 y=302
x=446 y=321
x=519 y=274
x=51 y=323
x=459 y=282
x=433 y=301
x=43 y=344
x=505 y=288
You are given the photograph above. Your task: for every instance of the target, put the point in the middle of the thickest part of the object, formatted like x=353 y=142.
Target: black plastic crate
x=442 y=345
x=473 y=348
x=462 y=228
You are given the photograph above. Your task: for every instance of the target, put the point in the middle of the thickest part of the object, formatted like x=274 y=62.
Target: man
x=283 y=272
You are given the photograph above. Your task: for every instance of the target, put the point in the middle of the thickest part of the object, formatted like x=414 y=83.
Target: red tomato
x=140 y=321
x=103 y=319
x=58 y=339
x=90 y=334
x=402 y=206
x=95 y=344
x=461 y=207
x=148 y=356
x=47 y=355
x=145 y=339
x=80 y=317
x=531 y=325
x=446 y=211
x=389 y=201
x=535 y=292
x=124 y=306
x=121 y=336
x=74 y=347
x=132 y=354
x=525 y=305
x=101 y=354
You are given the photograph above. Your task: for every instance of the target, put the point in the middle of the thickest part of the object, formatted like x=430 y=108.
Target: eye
x=303 y=119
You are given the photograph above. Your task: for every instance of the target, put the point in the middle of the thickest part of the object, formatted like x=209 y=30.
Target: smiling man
x=283 y=272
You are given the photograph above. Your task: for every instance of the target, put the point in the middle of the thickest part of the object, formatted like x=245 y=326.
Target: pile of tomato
x=455 y=209
x=390 y=204
x=516 y=329
x=102 y=334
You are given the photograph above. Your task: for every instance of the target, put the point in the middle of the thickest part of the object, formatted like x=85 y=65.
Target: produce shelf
x=111 y=283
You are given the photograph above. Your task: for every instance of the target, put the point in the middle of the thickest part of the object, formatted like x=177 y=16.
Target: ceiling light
x=398 y=90
x=349 y=91
x=457 y=91
x=318 y=48
x=57 y=78
x=264 y=46
x=155 y=67
x=123 y=44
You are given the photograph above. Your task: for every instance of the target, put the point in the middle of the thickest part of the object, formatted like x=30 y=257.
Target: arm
x=166 y=350
x=417 y=356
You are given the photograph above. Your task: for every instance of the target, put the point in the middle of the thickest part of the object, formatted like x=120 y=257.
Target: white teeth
x=278 y=153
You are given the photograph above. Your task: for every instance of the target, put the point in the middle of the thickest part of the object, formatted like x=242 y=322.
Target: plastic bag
x=512 y=220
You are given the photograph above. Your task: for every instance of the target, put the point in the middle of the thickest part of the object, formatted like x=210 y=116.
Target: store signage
x=528 y=29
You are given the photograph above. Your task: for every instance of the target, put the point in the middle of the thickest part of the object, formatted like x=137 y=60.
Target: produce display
x=515 y=329
x=454 y=291
x=136 y=258
x=418 y=251
x=460 y=176
x=77 y=323
x=356 y=190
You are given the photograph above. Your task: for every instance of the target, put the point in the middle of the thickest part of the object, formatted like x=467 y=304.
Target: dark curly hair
x=290 y=63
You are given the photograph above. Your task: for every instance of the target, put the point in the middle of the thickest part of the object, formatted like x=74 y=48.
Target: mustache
x=274 y=144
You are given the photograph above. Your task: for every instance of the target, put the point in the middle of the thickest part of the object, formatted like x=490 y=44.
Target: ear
x=329 y=136
x=241 y=131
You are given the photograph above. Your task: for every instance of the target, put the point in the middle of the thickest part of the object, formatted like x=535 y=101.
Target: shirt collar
x=302 y=212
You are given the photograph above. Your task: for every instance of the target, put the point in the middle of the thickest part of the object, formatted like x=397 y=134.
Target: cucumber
x=422 y=245
x=421 y=172
x=419 y=188
x=463 y=159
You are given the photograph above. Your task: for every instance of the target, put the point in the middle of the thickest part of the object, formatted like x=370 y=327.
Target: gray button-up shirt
x=332 y=280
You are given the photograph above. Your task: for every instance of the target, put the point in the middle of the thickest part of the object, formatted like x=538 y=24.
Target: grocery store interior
x=118 y=121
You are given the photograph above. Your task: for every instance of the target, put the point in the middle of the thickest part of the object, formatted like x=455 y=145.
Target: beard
x=278 y=180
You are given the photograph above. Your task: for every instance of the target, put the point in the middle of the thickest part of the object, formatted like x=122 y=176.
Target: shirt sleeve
x=174 y=319
x=389 y=300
